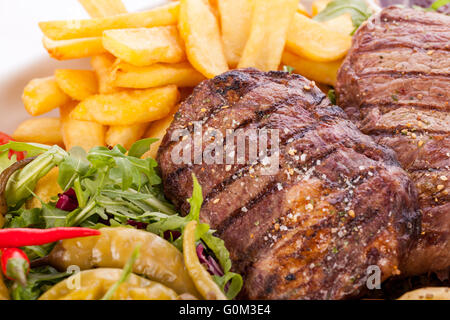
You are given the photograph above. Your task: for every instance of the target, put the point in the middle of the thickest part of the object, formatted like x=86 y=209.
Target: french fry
x=125 y=135
x=323 y=72
x=77 y=84
x=145 y=46
x=85 y=134
x=269 y=27
x=103 y=8
x=43 y=95
x=128 y=107
x=102 y=66
x=46 y=188
x=158 y=129
x=313 y=40
x=342 y=24
x=86 y=28
x=200 y=31
x=235 y=18
x=74 y=48
x=157 y=75
x=39 y=130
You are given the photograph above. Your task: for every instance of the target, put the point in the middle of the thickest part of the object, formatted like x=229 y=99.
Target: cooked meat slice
x=338 y=204
x=395 y=83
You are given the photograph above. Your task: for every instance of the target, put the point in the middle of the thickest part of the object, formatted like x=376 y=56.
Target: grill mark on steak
x=215 y=111
x=385 y=59
x=342 y=192
x=418 y=130
x=323 y=150
x=387 y=107
x=405 y=74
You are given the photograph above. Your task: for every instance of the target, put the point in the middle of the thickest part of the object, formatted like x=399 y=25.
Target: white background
x=22 y=56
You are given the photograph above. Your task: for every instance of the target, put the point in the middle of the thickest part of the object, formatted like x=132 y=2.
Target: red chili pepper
x=20 y=237
x=4 y=139
x=15 y=265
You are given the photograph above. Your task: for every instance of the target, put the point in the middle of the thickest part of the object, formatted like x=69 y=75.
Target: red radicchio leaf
x=137 y=224
x=168 y=234
x=209 y=262
x=67 y=201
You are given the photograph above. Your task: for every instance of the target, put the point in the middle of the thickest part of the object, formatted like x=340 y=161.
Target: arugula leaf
x=288 y=69
x=53 y=217
x=358 y=10
x=39 y=280
x=217 y=246
x=73 y=166
x=438 y=4
x=332 y=96
x=22 y=183
x=234 y=282
x=126 y=272
x=140 y=147
x=195 y=201
x=5 y=162
x=23 y=218
x=32 y=149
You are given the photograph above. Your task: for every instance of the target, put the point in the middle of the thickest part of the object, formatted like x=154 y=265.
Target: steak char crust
x=338 y=204
x=395 y=83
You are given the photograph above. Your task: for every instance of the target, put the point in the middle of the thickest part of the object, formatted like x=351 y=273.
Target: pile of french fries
x=142 y=61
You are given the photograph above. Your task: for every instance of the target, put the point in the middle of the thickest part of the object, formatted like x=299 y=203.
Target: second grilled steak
x=395 y=82
x=338 y=204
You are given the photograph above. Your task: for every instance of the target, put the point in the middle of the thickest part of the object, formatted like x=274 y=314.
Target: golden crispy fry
x=342 y=24
x=314 y=41
x=95 y=283
x=430 y=293
x=235 y=18
x=74 y=29
x=158 y=129
x=302 y=9
x=269 y=26
x=145 y=46
x=77 y=84
x=158 y=259
x=73 y=48
x=323 y=72
x=46 y=188
x=125 y=135
x=39 y=130
x=200 y=30
x=85 y=134
x=103 y=8
x=201 y=278
x=159 y=74
x=43 y=95
x=102 y=66
x=128 y=107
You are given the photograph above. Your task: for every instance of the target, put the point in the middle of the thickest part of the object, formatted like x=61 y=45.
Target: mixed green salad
x=102 y=188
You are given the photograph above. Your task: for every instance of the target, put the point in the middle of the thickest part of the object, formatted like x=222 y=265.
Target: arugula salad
x=102 y=188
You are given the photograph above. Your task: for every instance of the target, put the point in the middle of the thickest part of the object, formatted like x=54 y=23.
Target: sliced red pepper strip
x=4 y=139
x=20 y=237
x=15 y=265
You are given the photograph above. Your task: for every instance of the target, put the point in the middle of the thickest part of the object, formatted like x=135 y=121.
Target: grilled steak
x=395 y=82
x=338 y=204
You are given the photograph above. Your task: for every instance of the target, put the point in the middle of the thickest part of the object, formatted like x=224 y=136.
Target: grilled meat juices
x=395 y=82
x=338 y=204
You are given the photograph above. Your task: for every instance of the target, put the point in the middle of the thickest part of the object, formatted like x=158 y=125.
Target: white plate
x=22 y=56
